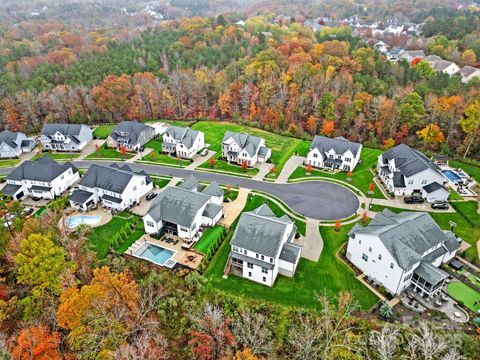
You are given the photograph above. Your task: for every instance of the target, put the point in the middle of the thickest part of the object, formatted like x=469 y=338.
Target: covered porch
x=15 y=191
x=333 y=164
x=82 y=199
x=427 y=280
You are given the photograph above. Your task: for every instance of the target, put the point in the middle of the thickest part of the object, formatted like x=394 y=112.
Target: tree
x=337 y=225
x=388 y=143
x=468 y=57
x=385 y=310
x=424 y=70
x=252 y=332
x=308 y=168
x=311 y=124
x=272 y=169
x=431 y=134
x=37 y=343
x=212 y=161
x=470 y=124
x=245 y=354
x=364 y=217
x=327 y=127
x=123 y=151
x=244 y=165
x=384 y=343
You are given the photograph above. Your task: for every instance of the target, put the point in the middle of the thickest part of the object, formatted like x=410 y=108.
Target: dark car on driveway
x=440 y=205
x=414 y=199
x=151 y=196
x=28 y=211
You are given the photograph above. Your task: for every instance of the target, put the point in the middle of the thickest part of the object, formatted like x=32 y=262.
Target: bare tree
x=4 y=350
x=383 y=344
x=251 y=331
x=303 y=340
x=427 y=345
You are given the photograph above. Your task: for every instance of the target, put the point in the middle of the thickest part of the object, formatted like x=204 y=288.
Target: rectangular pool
x=451 y=175
x=155 y=254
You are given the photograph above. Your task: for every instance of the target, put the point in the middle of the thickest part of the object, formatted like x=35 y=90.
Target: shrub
x=385 y=311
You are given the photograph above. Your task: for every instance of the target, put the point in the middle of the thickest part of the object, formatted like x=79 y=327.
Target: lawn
x=466 y=218
x=109 y=153
x=102 y=131
x=230 y=194
x=137 y=234
x=209 y=237
x=472 y=170
x=327 y=276
x=464 y=294
x=161 y=182
x=157 y=156
x=58 y=155
x=362 y=176
x=9 y=162
x=283 y=147
x=40 y=212
x=222 y=165
x=101 y=236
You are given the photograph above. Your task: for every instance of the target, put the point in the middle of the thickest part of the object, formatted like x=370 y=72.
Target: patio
x=457 y=179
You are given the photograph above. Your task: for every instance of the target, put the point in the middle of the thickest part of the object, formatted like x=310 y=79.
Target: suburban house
x=213 y=190
x=116 y=187
x=191 y=183
x=468 y=73
x=182 y=213
x=43 y=178
x=405 y=170
x=262 y=246
x=410 y=55
x=445 y=66
x=239 y=148
x=65 y=137
x=337 y=153
x=401 y=250
x=130 y=134
x=13 y=144
x=182 y=142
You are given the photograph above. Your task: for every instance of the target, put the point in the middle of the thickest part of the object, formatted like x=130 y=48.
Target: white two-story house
x=43 y=178
x=116 y=187
x=440 y=65
x=401 y=250
x=183 y=142
x=405 y=170
x=468 y=73
x=262 y=246
x=13 y=144
x=239 y=148
x=65 y=137
x=182 y=212
x=337 y=153
x=131 y=135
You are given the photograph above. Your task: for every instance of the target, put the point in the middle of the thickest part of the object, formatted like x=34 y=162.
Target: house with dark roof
x=337 y=153
x=398 y=251
x=441 y=65
x=182 y=212
x=468 y=73
x=213 y=189
x=130 y=134
x=405 y=171
x=183 y=142
x=116 y=187
x=43 y=178
x=262 y=246
x=65 y=137
x=13 y=144
x=239 y=148
x=409 y=55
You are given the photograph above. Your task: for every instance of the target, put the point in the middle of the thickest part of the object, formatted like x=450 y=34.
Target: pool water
x=451 y=175
x=77 y=220
x=155 y=254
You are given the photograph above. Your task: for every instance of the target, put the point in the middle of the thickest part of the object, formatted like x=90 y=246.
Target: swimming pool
x=77 y=220
x=451 y=175
x=155 y=254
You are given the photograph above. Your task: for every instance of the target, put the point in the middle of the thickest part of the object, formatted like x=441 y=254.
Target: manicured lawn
x=465 y=294
x=101 y=236
x=472 y=170
x=362 y=177
x=9 y=162
x=58 y=155
x=108 y=153
x=454 y=195
x=157 y=156
x=160 y=182
x=231 y=194
x=39 y=212
x=137 y=234
x=102 y=131
x=283 y=147
x=209 y=237
x=327 y=276
x=222 y=165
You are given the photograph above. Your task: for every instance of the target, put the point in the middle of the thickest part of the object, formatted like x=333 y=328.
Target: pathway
x=289 y=167
x=312 y=243
x=361 y=278
x=199 y=160
x=234 y=208
x=264 y=169
x=398 y=203
x=91 y=147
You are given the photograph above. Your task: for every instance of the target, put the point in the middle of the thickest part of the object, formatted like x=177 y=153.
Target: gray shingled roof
x=213 y=190
x=261 y=231
x=65 y=129
x=44 y=169
x=290 y=253
x=406 y=235
x=212 y=210
x=80 y=196
x=132 y=129
x=178 y=206
x=111 y=178
x=340 y=145
x=185 y=135
x=434 y=186
x=467 y=70
x=409 y=161
x=9 y=138
x=10 y=189
x=430 y=273
x=190 y=183
x=246 y=142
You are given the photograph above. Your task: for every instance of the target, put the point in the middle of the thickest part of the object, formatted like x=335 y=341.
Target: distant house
x=393 y=54
x=445 y=66
x=65 y=137
x=468 y=73
x=183 y=142
x=43 y=178
x=116 y=187
x=380 y=46
x=409 y=55
x=262 y=246
x=398 y=251
x=239 y=147
x=337 y=153
x=405 y=170
x=13 y=144
x=130 y=134
x=182 y=212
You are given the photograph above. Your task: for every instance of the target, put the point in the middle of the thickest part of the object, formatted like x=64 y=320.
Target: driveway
x=289 y=167
x=319 y=200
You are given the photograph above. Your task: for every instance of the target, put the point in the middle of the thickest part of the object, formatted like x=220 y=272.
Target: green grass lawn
x=8 y=162
x=137 y=234
x=231 y=194
x=101 y=236
x=454 y=195
x=40 y=212
x=157 y=156
x=109 y=153
x=161 y=182
x=57 y=155
x=362 y=176
x=283 y=147
x=102 y=131
x=465 y=294
x=466 y=218
x=472 y=170
x=210 y=235
x=221 y=165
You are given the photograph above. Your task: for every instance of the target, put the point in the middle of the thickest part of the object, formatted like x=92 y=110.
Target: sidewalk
x=289 y=167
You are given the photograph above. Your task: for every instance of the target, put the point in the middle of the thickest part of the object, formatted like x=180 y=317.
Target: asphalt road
x=319 y=200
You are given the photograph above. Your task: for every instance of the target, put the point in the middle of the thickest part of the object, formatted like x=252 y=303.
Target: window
x=379 y=256
x=315 y=155
x=134 y=188
x=264 y=270
x=271 y=260
x=410 y=182
x=365 y=257
x=151 y=224
x=406 y=278
x=359 y=242
x=235 y=249
x=62 y=177
x=264 y=279
x=249 y=274
x=250 y=265
x=245 y=252
x=347 y=159
x=183 y=229
x=256 y=255
x=391 y=265
x=262 y=257
x=369 y=249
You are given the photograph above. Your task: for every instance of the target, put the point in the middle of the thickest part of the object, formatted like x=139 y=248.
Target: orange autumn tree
x=337 y=226
x=212 y=162
x=308 y=168
x=244 y=165
x=311 y=124
x=37 y=343
x=327 y=127
x=431 y=134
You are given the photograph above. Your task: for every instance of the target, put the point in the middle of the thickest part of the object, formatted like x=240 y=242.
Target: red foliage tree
x=371 y=187
x=244 y=165
x=364 y=217
x=338 y=225
x=212 y=161
x=308 y=168
x=37 y=343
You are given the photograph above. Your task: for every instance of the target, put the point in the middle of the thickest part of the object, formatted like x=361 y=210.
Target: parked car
x=414 y=199
x=36 y=198
x=151 y=196
x=440 y=205
x=204 y=152
x=28 y=211
x=141 y=148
